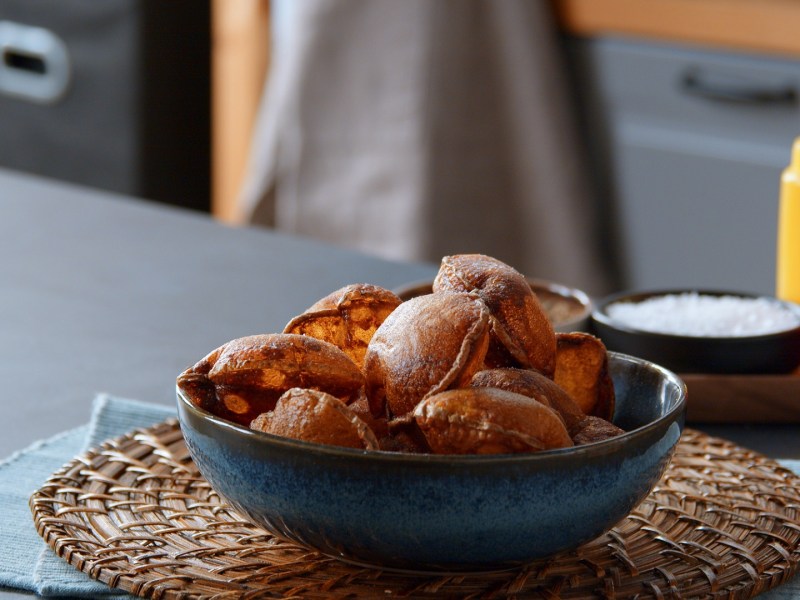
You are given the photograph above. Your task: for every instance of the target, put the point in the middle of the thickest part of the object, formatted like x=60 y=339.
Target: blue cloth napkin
x=26 y=563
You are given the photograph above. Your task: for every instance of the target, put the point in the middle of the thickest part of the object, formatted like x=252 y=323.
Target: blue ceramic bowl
x=442 y=512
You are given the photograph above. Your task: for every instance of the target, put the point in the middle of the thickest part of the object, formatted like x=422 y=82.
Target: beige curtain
x=412 y=129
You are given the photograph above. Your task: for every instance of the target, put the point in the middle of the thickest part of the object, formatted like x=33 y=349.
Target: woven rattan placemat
x=724 y=522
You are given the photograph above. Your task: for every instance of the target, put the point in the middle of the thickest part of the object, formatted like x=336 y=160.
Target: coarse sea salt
x=702 y=315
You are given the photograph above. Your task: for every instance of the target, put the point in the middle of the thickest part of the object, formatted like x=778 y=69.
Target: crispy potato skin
x=427 y=345
x=347 y=318
x=245 y=377
x=582 y=370
x=534 y=385
x=488 y=421
x=594 y=429
x=522 y=335
x=314 y=416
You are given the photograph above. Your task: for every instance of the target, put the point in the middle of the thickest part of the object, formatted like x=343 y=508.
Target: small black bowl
x=777 y=352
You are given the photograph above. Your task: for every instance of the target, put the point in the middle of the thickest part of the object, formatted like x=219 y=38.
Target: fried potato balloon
x=522 y=335
x=427 y=345
x=582 y=370
x=488 y=421
x=314 y=416
x=245 y=377
x=533 y=385
x=347 y=318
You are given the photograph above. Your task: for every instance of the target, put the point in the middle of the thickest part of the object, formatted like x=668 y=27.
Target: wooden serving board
x=743 y=398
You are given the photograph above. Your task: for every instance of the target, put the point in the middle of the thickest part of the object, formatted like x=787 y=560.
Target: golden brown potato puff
x=347 y=318
x=582 y=370
x=533 y=385
x=488 y=421
x=314 y=416
x=522 y=335
x=245 y=377
x=427 y=345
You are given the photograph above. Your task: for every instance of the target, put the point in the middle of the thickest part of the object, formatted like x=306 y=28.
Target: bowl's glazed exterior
x=453 y=513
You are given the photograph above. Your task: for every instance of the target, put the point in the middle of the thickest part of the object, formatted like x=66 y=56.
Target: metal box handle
x=34 y=63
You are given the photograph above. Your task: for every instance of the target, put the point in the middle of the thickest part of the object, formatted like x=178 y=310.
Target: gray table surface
x=103 y=293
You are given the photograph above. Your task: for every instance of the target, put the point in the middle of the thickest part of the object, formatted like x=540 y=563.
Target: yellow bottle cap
x=788 y=259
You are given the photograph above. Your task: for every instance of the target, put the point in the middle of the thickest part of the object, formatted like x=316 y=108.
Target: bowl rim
x=563 y=290
x=261 y=437
x=601 y=316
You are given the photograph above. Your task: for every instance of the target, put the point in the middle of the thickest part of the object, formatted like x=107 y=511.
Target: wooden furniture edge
x=240 y=58
x=743 y=398
x=767 y=26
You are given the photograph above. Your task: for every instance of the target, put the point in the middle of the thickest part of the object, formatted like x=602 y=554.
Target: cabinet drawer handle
x=694 y=85
x=34 y=63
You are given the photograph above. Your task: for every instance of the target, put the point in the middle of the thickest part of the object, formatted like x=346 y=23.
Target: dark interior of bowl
x=772 y=353
x=635 y=380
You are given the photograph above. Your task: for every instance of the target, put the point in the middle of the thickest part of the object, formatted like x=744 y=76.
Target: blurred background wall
x=679 y=113
x=690 y=108
x=419 y=129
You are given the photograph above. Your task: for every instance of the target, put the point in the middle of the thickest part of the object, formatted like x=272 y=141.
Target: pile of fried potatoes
x=473 y=368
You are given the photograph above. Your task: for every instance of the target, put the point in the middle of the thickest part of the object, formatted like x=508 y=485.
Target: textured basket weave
x=135 y=513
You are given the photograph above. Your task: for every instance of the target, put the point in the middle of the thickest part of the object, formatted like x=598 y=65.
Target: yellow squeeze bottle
x=788 y=260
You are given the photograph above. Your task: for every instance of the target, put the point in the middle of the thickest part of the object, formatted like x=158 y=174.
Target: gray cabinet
x=689 y=145
x=112 y=94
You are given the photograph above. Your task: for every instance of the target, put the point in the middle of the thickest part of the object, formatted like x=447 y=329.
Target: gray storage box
x=112 y=94
x=691 y=147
